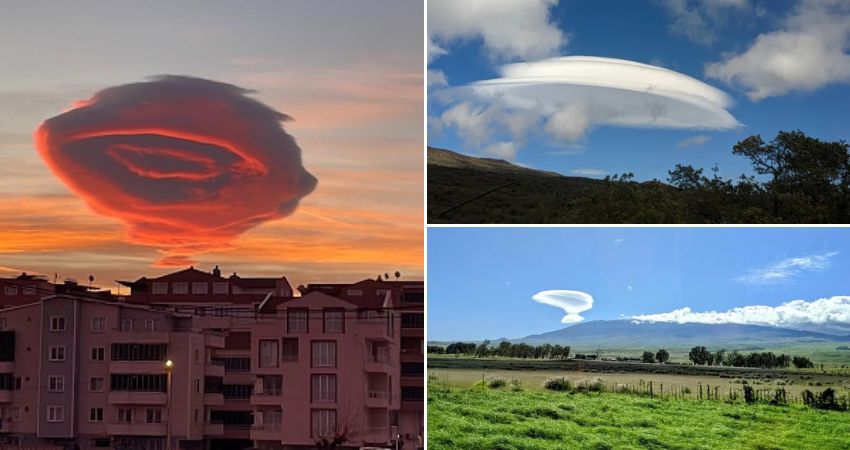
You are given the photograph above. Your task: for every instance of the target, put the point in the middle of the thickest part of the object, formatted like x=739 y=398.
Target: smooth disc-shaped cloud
x=572 y=302
x=576 y=92
x=187 y=164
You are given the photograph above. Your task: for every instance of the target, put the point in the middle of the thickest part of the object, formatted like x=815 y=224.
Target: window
x=139 y=352
x=296 y=320
x=96 y=384
x=10 y=290
x=57 y=353
x=324 y=354
x=153 y=415
x=55 y=383
x=234 y=364
x=197 y=356
x=412 y=368
x=98 y=324
x=160 y=288
x=272 y=384
x=29 y=291
x=55 y=413
x=180 y=288
x=323 y=388
x=268 y=353
x=139 y=382
x=412 y=393
x=411 y=345
x=290 y=349
x=237 y=391
x=322 y=422
x=96 y=415
x=334 y=321
x=412 y=321
x=197 y=385
x=98 y=354
x=151 y=325
x=57 y=323
x=199 y=288
x=272 y=419
x=126 y=324
x=125 y=415
x=14 y=413
x=2 y=324
x=220 y=287
x=197 y=415
x=354 y=292
x=414 y=297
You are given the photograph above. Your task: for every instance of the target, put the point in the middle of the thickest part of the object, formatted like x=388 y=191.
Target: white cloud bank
x=509 y=29
x=808 y=52
x=828 y=315
x=572 y=302
x=562 y=98
x=787 y=268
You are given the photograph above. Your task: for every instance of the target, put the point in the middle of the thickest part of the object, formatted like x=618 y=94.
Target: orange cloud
x=187 y=164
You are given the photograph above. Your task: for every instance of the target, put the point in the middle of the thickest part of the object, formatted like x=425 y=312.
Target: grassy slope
x=480 y=419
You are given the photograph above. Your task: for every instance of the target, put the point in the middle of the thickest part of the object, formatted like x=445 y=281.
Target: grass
x=496 y=419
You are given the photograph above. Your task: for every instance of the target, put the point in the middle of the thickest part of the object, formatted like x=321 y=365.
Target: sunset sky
x=350 y=76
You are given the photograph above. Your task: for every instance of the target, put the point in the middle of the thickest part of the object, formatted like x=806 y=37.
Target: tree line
x=700 y=355
x=504 y=349
x=799 y=179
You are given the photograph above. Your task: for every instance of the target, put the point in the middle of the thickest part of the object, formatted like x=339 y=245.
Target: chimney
x=216 y=271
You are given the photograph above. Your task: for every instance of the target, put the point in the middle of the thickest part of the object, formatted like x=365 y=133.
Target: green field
x=486 y=419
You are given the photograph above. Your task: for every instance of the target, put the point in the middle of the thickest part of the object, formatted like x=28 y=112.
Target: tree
x=686 y=177
x=801 y=362
x=438 y=349
x=482 y=349
x=719 y=356
x=699 y=355
x=397 y=275
x=648 y=357
x=662 y=356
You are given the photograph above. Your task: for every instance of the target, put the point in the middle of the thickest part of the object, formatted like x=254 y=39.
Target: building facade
x=194 y=360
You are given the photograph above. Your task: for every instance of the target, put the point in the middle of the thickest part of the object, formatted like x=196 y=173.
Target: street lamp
x=169 y=365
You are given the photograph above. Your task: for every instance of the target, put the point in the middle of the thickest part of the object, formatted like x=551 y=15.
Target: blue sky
x=490 y=274
x=782 y=63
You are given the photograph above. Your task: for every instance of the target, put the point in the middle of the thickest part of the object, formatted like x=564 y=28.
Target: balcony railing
x=380 y=357
x=376 y=395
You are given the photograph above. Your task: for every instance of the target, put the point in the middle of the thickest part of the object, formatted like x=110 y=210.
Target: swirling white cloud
x=572 y=302
x=563 y=98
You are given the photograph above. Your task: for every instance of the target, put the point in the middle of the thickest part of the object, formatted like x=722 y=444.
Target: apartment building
x=252 y=366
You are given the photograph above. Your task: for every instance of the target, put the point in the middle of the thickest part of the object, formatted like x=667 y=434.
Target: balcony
x=7 y=366
x=5 y=396
x=274 y=398
x=237 y=431
x=139 y=337
x=213 y=429
x=213 y=399
x=145 y=367
x=137 y=398
x=378 y=362
x=266 y=432
x=214 y=369
x=377 y=399
x=377 y=434
x=136 y=429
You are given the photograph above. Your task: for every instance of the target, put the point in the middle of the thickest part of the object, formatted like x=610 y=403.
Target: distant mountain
x=439 y=157
x=630 y=334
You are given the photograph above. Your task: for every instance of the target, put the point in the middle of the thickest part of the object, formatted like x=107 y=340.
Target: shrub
x=516 y=386
x=558 y=384
x=496 y=383
x=749 y=395
x=594 y=385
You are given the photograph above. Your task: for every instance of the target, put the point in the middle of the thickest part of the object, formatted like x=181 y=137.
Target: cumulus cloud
x=695 y=141
x=436 y=78
x=829 y=315
x=187 y=164
x=572 y=302
x=787 y=268
x=699 y=20
x=564 y=98
x=808 y=52
x=508 y=29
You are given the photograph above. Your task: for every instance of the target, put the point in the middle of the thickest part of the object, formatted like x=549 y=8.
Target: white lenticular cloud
x=828 y=315
x=787 y=268
x=563 y=98
x=572 y=302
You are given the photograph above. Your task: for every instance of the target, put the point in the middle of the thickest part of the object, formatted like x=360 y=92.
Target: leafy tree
x=648 y=357
x=699 y=355
x=662 y=356
x=437 y=349
x=483 y=349
x=801 y=362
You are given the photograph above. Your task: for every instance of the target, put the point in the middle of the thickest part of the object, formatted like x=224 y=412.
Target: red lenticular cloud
x=187 y=164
